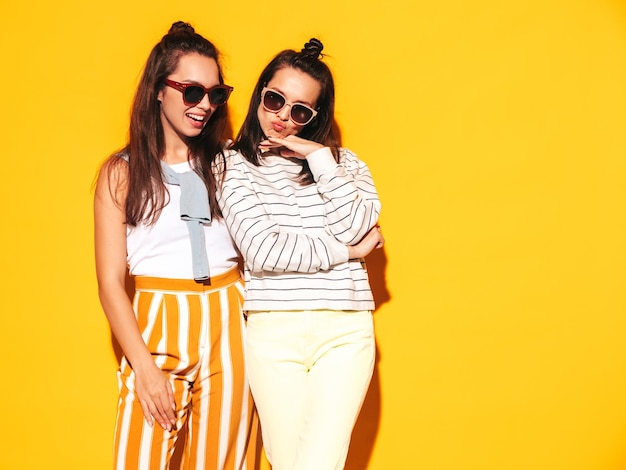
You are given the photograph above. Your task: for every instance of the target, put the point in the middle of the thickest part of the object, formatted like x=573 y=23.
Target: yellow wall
x=495 y=132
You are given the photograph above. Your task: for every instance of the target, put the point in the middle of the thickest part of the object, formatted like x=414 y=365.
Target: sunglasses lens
x=301 y=114
x=193 y=94
x=273 y=101
x=218 y=96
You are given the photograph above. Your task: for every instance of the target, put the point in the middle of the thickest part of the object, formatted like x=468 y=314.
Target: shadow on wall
x=376 y=268
x=366 y=428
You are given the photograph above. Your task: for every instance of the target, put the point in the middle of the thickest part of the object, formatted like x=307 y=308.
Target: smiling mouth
x=195 y=117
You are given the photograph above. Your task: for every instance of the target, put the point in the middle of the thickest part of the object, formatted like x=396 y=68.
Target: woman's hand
x=290 y=146
x=373 y=239
x=156 y=396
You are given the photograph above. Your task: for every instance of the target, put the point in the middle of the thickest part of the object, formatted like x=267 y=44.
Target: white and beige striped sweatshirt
x=294 y=238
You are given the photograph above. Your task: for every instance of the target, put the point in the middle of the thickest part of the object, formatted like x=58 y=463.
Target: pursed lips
x=278 y=126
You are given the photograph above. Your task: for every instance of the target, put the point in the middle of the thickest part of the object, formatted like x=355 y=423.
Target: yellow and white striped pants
x=195 y=334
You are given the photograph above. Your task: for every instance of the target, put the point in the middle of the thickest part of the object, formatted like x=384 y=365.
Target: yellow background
x=495 y=133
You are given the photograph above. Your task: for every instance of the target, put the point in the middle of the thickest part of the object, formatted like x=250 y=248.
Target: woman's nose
x=284 y=113
x=205 y=103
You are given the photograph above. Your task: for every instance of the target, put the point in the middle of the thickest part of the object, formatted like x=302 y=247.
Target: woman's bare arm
x=152 y=386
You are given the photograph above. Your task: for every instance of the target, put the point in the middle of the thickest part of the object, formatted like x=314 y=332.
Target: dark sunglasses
x=274 y=102
x=193 y=94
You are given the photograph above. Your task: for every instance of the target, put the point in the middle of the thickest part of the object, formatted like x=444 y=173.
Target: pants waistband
x=188 y=285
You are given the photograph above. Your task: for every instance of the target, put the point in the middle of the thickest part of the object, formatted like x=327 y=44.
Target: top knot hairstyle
x=181 y=26
x=183 y=37
x=146 y=144
x=320 y=129
x=312 y=49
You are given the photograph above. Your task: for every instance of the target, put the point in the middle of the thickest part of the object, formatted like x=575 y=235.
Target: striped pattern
x=195 y=334
x=293 y=238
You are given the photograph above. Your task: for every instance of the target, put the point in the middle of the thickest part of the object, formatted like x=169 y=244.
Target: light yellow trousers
x=309 y=373
x=195 y=334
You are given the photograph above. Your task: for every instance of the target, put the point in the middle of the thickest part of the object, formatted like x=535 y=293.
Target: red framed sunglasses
x=194 y=93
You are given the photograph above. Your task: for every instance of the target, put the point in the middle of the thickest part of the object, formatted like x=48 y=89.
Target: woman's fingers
x=290 y=146
x=156 y=397
x=171 y=406
x=147 y=412
x=161 y=411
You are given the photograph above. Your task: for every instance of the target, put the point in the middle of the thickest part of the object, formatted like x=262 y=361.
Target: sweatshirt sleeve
x=350 y=199
x=264 y=245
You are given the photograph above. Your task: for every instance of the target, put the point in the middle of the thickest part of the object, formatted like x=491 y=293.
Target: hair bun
x=312 y=49
x=181 y=27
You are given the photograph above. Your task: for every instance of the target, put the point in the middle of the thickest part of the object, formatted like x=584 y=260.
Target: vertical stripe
x=186 y=398
x=204 y=402
x=227 y=388
x=183 y=339
x=211 y=380
x=239 y=350
x=145 y=448
x=122 y=427
x=154 y=302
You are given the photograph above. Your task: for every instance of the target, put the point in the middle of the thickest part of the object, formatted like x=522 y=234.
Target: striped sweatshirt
x=294 y=238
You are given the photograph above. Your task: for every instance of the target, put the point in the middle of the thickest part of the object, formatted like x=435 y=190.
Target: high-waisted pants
x=309 y=373
x=195 y=334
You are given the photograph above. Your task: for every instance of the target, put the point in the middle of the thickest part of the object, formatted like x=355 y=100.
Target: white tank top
x=164 y=249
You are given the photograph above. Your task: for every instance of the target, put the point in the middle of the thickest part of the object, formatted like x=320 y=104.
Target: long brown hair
x=146 y=192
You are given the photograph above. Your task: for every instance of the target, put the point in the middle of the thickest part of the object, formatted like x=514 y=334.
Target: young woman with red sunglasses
x=182 y=380
x=304 y=213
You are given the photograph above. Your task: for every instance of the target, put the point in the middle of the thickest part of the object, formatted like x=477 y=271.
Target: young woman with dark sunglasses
x=182 y=380
x=304 y=213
